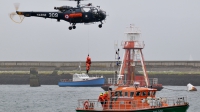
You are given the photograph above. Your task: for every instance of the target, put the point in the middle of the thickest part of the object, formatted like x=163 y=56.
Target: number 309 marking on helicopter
x=53 y=14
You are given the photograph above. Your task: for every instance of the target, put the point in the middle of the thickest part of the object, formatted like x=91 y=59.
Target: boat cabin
x=80 y=77
x=83 y=77
x=134 y=93
x=131 y=97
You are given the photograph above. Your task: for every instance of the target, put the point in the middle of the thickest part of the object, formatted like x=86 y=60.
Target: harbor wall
x=97 y=65
x=178 y=73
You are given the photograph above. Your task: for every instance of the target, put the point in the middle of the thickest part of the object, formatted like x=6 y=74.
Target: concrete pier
x=34 y=78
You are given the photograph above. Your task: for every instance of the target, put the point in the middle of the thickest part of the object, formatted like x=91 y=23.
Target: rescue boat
x=127 y=94
x=134 y=99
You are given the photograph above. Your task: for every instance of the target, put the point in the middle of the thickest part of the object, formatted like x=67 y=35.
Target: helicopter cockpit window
x=86 y=9
x=94 y=10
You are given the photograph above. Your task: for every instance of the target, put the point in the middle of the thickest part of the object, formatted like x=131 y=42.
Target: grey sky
x=170 y=30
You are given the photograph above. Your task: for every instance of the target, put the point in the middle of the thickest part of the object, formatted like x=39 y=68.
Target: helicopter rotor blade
x=16 y=6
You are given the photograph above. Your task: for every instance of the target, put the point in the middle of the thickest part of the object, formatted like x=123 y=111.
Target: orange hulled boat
x=134 y=99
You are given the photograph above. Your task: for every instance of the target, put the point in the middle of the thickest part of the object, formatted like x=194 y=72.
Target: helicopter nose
x=103 y=14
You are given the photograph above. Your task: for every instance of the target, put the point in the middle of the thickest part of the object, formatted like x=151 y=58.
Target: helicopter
x=79 y=14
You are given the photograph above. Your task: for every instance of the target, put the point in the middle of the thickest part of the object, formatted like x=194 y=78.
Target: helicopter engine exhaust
x=62 y=8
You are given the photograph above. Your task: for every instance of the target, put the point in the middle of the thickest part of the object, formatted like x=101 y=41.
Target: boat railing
x=93 y=104
x=175 y=100
x=112 y=81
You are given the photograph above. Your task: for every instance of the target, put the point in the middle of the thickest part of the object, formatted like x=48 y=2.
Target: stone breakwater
x=178 y=73
x=52 y=79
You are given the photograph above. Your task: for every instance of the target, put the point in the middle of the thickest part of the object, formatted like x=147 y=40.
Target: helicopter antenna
x=78 y=2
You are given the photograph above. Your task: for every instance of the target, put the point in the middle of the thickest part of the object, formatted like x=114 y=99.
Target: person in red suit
x=88 y=63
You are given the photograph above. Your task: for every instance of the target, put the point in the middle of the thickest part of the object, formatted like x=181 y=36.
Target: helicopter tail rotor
x=16 y=5
x=13 y=14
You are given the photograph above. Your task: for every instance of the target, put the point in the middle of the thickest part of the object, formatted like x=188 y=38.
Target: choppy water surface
x=51 y=98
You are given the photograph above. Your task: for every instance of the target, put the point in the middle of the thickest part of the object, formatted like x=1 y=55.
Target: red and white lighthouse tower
x=133 y=52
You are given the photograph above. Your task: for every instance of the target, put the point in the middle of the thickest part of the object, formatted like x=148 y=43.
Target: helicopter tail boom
x=26 y=14
x=53 y=15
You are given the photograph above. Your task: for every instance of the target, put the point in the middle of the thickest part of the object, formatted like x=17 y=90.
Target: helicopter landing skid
x=100 y=25
x=72 y=27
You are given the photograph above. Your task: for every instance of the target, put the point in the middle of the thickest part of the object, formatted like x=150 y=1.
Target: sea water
x=52 y=98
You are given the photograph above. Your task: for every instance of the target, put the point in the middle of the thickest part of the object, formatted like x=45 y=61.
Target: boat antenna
x=117 y=58
x=80 y=66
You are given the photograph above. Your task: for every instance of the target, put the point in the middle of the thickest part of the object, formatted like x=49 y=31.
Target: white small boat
x=190 y=87
x=82 y=80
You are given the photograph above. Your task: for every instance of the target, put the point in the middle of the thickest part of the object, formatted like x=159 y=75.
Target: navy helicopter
x=79 y=14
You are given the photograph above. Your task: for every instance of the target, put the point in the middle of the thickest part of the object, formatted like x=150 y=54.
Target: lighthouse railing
x=133 y=44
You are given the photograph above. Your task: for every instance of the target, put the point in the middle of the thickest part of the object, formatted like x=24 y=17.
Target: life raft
x=86 y=104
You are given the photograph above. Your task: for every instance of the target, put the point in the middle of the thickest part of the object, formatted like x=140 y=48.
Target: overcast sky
x=170 y=31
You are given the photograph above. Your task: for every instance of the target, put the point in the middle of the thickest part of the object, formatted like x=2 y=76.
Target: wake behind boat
x=82 y=80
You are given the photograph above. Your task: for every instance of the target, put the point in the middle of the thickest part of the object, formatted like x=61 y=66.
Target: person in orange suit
x=105 y=96
x=88 y=63
x=101 y=99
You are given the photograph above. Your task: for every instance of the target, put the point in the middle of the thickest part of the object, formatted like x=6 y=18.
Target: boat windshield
x=151 y=93
x=154 y=93
x=125 y=93
x=144 y=93
x=118 y=93
x=131 y=94
x=138 y=93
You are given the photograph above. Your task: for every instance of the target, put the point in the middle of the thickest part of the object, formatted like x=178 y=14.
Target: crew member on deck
x=101 y=99
x=88 y=62
x=105 y=96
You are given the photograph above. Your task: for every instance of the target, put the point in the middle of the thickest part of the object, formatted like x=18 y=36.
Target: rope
x=21 y=18
x=173 y=89
x=88 y=40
